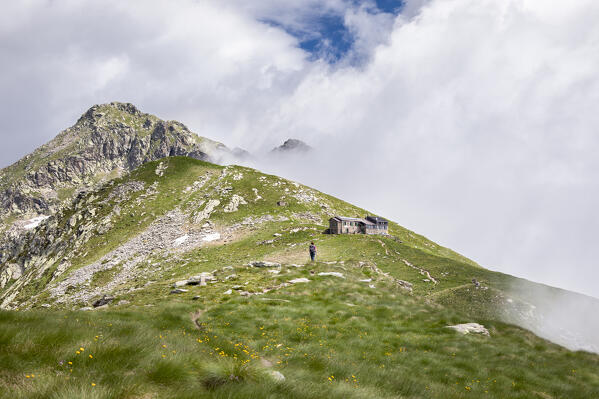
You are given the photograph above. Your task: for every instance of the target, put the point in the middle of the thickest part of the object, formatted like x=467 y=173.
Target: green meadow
x=252 y=333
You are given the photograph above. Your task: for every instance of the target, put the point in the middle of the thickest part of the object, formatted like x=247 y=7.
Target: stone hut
x=348 y=225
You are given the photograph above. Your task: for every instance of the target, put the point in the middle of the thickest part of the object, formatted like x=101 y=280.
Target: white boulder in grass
x=334 y=274
x=470 y=328
x=277 y=375
x=299 y=280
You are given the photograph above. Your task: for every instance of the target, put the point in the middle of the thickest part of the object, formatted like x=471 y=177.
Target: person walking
x=312 y=251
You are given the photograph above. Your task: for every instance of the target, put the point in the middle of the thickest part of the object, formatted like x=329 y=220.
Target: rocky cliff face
x=107 y=141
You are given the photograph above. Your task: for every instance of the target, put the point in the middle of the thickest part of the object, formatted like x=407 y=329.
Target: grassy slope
x=335 y=337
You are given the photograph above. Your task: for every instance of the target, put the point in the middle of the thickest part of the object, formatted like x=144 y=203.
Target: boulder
x=105 y=300
x=277 y=376
x=470 y=328
x=334 y=274
x=404 y=284
x=299 y=280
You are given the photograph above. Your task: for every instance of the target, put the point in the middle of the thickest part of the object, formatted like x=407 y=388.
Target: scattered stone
x=179 y=291
x=123 y=302
x=86 y=308
x=281 y=203
x=160 y=169
x=181 y=283
x=405 y=285
x=277 y=234
x=228 y=292
x=372 y=286
x=335 y=274
x=236 y=200
x=244 y=293
x=195 y=298
x=237 y=287
x=263 y=263
x=231 y=277
x=105 y=300
x=46 y=305
x=274 y=271
x=299 y=280
x=469 y=328
x=476 y=283
x=366 y=280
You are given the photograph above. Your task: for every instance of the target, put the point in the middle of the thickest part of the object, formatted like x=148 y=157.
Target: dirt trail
x=384 y=247
x=420 y=270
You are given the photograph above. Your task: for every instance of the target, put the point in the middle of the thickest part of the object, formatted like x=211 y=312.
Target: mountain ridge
x=211 y=260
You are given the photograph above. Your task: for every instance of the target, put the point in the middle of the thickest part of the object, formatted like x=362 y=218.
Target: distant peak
x=292 y=145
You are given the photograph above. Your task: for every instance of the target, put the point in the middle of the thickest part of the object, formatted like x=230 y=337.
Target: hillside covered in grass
x=211 y=294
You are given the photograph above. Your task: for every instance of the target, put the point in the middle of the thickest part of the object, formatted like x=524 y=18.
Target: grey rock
x=179 y=291
x=263 y=263
x=105 y=300
x=405 y=285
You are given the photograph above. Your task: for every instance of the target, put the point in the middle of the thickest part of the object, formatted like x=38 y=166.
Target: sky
x=472 y=122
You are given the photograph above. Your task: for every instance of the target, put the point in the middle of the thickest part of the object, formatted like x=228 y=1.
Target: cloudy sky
x=473 y=122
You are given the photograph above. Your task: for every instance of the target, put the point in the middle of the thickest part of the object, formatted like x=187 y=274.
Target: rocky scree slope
x=107 y=141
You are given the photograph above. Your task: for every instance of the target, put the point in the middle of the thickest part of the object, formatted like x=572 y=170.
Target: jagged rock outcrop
x=107 y=141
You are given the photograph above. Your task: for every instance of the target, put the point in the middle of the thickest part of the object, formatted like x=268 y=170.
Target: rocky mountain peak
x=105 y=142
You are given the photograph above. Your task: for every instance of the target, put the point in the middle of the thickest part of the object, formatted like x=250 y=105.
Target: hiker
x=312 y=251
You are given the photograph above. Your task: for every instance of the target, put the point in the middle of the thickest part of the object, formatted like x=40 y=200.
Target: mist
x=563 y=317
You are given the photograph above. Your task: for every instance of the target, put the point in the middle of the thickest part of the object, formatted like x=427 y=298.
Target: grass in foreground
x=331 y=337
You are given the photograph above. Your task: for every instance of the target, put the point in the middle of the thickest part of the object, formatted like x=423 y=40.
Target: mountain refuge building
x=368 y=225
